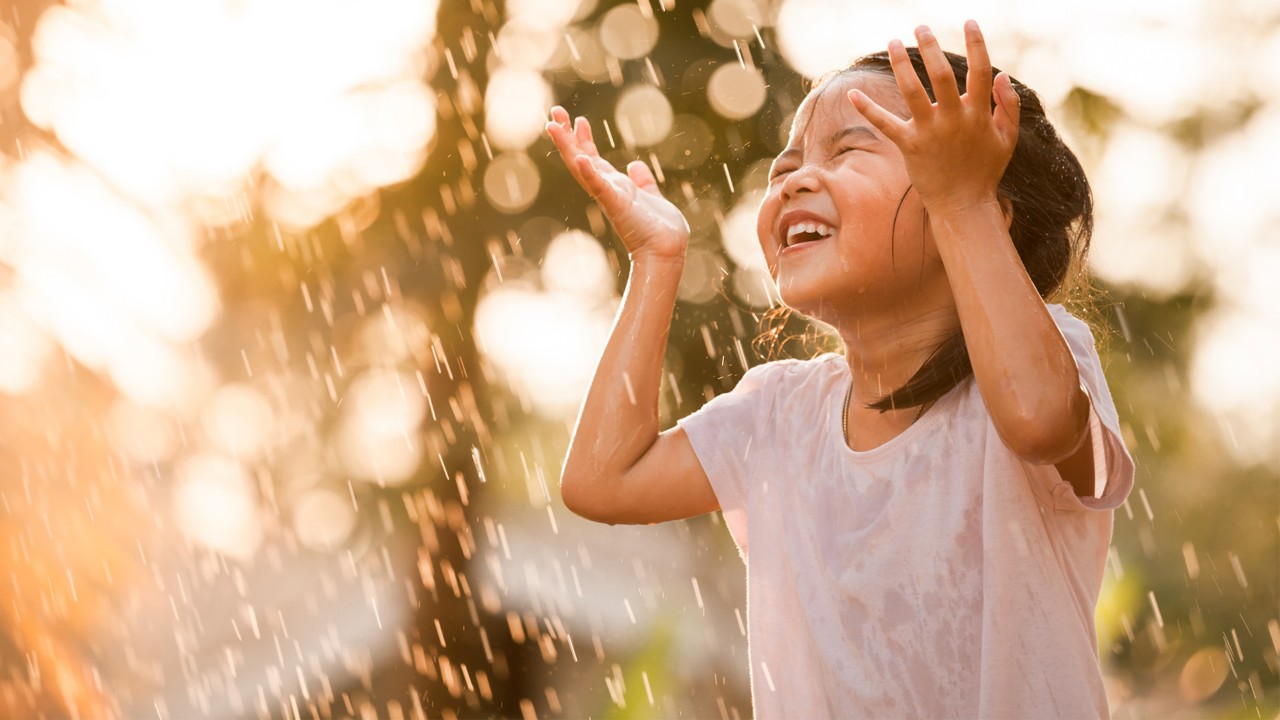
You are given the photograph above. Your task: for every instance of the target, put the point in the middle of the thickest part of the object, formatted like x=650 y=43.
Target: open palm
x=646 y=221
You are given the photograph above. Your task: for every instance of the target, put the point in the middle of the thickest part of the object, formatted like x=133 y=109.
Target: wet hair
x=1052 y=207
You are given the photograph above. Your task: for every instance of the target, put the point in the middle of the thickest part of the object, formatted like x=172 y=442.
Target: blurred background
x=297 y=306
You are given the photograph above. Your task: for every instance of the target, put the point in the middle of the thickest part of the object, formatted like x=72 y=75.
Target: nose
x=802 y=179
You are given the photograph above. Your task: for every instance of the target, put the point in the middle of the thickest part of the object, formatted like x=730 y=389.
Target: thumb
x=1008 y=105
x=642 y=176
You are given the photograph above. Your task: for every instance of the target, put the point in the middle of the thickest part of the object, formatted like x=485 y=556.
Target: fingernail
x=895 y=45
x=923 y=33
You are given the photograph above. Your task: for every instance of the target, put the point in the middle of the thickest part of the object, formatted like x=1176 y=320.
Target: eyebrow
x=852 y=130
x=860 y=130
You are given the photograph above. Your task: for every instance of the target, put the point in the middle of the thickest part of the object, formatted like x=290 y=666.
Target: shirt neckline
x=931 y=418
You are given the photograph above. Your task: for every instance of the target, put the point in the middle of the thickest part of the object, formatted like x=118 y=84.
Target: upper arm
x=666 y=483
x=1097 y=475
x=1077 y=469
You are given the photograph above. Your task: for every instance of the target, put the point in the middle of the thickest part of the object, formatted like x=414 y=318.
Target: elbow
x=579 y=499
x=1047 y=438
x=1049 y=448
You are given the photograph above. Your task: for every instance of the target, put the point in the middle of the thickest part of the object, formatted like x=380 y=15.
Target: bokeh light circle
x=738 y=19
x=238 y=420
x=818 y=36
x=628 y=33
x=216 y=505
x=525 y=45
x=703 y=213
x=1203 y=674
x=511 y=182
x=377 y=435
x=741 y=242
x=549 y=14
x=754 y=286
x=545 y=345
x=586 y=55
x=576 y=264
x=515 y=107
x=323 y=519
x=703 y=276
x=688 y=145
x=643 y=115
x=735 y=91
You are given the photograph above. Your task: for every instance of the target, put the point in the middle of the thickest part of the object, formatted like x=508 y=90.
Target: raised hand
x=956 y=149
x=647 y=222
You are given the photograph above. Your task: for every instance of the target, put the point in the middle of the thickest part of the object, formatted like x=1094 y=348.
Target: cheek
x=766 y=216
x=869 y=231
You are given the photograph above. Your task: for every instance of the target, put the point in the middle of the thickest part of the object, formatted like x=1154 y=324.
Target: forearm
x=618 y=421
x=1022 y=364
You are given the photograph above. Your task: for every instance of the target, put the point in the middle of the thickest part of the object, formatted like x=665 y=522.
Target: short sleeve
x=725 y=436
x=1113 y=468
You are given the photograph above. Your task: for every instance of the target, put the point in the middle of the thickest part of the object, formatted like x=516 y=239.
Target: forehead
x=827 y=106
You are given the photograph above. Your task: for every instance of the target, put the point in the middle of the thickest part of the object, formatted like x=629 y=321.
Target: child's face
x=839 y=172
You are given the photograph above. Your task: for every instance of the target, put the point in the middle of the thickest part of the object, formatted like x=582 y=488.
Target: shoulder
x=1068 y=323
x=789 y=377
x=1078 y=333
x=793 y=371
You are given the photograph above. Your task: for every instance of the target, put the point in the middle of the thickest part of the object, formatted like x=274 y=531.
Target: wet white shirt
x=938 y=575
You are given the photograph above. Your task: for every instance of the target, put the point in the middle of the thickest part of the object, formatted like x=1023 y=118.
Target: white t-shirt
x=938 y=575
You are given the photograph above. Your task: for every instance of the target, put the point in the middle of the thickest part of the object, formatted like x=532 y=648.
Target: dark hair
x=1052 y=224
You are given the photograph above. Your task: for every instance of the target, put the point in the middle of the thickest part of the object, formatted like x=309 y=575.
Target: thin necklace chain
x=844 y=418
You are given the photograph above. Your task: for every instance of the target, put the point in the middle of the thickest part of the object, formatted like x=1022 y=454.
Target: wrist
x=655 y=263
x=964 y=223
x=964 y=205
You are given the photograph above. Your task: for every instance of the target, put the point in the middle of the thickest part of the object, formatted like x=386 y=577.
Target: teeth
x=809 y=227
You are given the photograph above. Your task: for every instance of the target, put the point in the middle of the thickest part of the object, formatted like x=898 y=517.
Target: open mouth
x=803 y=232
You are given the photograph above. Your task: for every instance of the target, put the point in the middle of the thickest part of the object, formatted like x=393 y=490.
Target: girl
x=925 y=518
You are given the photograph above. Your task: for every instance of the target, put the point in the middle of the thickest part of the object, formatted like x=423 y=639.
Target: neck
x=883 y=352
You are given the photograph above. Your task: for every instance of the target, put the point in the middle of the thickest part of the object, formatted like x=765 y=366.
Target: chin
x=806 y=300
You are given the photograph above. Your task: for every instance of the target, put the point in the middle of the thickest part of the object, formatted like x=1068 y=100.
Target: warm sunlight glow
x=545 y=344
x=516 y=104
x=378 y=436
x=575 y=264
x=214 y=501
x=156 y=100
x=817 y=36
x=741 y=243
x=117 y=287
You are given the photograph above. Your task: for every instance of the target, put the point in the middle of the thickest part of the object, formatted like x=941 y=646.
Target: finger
x=1008 y=106
x=600 y=189
x=890 y=125
x=567 y=145
x=561 y=136
x=642 y=176
x=560 y=115
x=591 y=180
x=564 y=141
x=582 y=129
x=908 y=82
x=939 y=68
x=978 y=81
